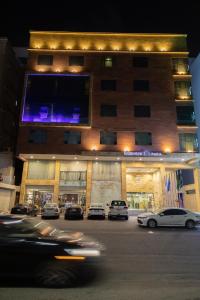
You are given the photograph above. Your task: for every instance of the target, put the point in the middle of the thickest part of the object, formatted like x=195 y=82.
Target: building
x=109 y=116
x=11 y=83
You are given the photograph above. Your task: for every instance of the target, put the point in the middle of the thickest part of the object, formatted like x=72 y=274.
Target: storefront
x=147 y=182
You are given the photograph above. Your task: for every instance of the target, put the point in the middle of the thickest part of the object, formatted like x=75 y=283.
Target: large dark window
x=185 y=115
x=108 y=138
x=188 y=142
x=108 y=85
x=142 y=111
x=108 y=110
x=45 y=60
x=37 y=136
x=57 y=99
x=143 y=138
x=72 y=137
x=140 y=62
x=76 y=60
x=141 y=85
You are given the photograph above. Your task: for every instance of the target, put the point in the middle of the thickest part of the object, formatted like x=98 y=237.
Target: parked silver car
x=118 y=209
x=50 y=210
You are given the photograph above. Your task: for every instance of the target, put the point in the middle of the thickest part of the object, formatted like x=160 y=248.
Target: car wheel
x=55 y=275
x=190 y=224
x=152 y=223
x=126 y=218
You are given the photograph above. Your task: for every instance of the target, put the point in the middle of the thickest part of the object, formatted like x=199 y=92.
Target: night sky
x=148 y=16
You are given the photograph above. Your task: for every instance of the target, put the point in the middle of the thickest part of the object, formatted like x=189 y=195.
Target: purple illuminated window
x=53 y=98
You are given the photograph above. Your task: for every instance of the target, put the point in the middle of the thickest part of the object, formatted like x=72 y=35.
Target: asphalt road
x=139 y=264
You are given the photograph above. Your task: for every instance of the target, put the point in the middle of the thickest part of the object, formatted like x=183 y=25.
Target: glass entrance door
x=140 y=201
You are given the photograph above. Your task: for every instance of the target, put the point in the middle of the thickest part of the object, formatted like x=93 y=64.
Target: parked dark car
x=74 y=212
x=21 y=209
x=34 y=249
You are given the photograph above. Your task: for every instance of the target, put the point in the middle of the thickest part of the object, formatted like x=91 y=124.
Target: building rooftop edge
x=109 y=33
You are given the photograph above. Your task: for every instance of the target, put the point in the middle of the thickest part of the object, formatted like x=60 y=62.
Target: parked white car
x=169 y=217
x=50 y=210
x=96 y=212
x=118 y=209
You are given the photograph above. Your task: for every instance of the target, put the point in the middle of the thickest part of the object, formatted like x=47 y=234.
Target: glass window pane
x=185 y=115
x=188 y=142
x=41 y=169
x=142 y=111
x=45 y=60
x=143 y=138
x=180 y=65
x=108 y=61
x=37 y=136
x=72 y=137
x=183 y=89
x=108 y=138
x=76 y=60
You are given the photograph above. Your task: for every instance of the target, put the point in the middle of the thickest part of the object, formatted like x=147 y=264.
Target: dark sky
x=167 y=16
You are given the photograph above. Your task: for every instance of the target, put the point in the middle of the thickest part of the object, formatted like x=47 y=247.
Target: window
x=41 y=169
x=45 y=60
x=141 y=85
x=76 y=60
x=143 y=138
x=174 y=212
x=140 y=62
x=142 y=111
x=72 y=137
x=188 y=142
x=37 y=136
x=108 y=85
x=108 y=110
x=108 y=61
x=185 y=115
x=183 y=89
x=108 y=138
x=180 y=65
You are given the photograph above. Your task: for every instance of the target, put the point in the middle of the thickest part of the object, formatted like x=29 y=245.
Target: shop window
x=108 y=85
x=180 y=65
x=39 y=194
x=140 y=62
x=183 y=89
x=37 y=136
x=185 y=115
x=73 y=178
x=143 y=138
x=188 y=142
x=141 y=85
x=76 y=60
x=108 y=138
x=108 y=110
x=41 y=169
x=45 y=60
x=72 y=137
x=108 y=61
x=142 y=111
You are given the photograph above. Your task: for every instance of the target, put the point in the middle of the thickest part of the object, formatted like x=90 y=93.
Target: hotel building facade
x=109 y=116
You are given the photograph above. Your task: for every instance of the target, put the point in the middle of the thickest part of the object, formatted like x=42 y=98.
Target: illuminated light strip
x=182 y=75
x=70 y=257
x=187 y=127
x=184 y=100
x=112 y=51
x=108 y=33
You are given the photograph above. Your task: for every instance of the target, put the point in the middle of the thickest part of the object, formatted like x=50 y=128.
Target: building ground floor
x=146 y=182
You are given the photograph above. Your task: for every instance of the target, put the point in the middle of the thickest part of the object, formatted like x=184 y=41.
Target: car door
x=180 y=216
x=166 y=218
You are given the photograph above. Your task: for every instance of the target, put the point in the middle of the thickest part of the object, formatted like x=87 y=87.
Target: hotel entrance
x=140 y=201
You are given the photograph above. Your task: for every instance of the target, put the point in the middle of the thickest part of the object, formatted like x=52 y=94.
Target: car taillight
x=125 y=206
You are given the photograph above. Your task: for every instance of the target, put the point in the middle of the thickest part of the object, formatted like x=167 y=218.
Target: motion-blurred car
x=118 y=209
x=21 y=209
x=74 y=212
x=96 y=212
x=169 y=217
x=50 y=210
x=32 y=248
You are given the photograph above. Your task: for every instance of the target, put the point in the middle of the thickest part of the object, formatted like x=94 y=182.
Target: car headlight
x=142 y=217
x=83 y=252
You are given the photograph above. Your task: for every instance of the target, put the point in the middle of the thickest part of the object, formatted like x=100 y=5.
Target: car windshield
x=118 y=203
x=50 y=205
x=27 y=228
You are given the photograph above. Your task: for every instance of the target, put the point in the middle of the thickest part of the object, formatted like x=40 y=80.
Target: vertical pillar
x=197 y=188
x=56 y=182
x=163 y=195
x=23 y=183
x=88 y=184
x=123 y=180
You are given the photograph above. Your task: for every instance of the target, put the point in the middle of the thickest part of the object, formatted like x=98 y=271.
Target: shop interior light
x=53 y=157
x=96 y=158
x=31 y=156
x=75 y=157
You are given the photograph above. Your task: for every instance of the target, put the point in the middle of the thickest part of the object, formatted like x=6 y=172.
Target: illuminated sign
x=143 y=153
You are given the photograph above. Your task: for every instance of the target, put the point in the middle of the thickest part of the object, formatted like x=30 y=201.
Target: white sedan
x=169 y=217
x=50 y=210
